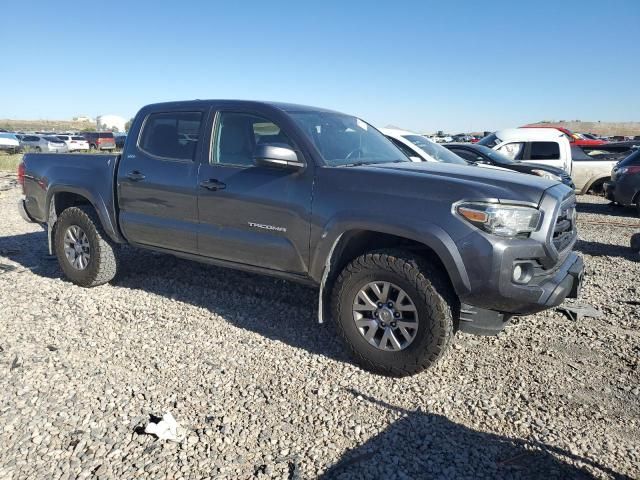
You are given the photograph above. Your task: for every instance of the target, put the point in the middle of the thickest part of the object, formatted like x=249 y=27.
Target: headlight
x=499 y=219
x=545 y=174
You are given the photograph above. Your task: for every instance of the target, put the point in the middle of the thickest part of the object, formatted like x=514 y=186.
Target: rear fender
x=97 y=202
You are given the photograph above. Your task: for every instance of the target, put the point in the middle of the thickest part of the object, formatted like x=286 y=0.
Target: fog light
x=517 y=273
x=522 y=272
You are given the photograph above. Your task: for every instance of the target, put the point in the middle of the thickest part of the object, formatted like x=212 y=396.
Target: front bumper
x=565 y=282
x=624 y=189
x=609 y=191
x=509 y=277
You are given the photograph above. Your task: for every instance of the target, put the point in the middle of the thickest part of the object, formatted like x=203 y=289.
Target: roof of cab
x=286 y=107
x=528 y=134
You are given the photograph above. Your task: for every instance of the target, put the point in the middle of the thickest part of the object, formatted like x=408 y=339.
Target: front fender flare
x=428 y=234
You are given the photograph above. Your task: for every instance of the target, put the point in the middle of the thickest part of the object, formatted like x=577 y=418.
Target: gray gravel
x=266 y=392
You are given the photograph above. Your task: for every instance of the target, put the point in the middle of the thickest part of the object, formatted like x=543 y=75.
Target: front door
x=157 y=182
x=252 y=214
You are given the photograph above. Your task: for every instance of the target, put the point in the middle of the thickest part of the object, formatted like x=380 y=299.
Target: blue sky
x=455 y=66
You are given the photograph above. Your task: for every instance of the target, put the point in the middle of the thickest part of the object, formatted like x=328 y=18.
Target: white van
x=548 y=146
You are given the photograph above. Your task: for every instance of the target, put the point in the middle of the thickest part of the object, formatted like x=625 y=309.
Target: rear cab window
x=171 y=135
x=544 y=151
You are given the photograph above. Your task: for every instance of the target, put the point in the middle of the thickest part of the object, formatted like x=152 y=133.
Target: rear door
x=157 y=181
x=252 y=214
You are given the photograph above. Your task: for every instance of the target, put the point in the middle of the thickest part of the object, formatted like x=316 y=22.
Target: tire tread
x=431 y=283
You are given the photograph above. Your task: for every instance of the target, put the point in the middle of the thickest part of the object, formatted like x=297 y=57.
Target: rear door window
x=171 y=135
x=544 y=151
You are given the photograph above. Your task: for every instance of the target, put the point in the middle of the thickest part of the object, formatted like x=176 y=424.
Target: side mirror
x=276 y=157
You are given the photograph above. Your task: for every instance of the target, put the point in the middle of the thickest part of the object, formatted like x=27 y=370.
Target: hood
x=473 y=183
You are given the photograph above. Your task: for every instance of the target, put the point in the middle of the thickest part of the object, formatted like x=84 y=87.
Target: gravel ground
x=266 y=392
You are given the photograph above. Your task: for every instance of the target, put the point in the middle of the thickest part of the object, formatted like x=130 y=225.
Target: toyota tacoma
x=403 y=254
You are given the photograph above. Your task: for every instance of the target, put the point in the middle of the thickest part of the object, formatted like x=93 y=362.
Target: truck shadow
x=274 y=308
x=599 y=249
x=606 y=209
x=427 y=445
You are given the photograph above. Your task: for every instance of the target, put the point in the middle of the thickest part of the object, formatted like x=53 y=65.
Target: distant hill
x=45 y=125
x=599 y=128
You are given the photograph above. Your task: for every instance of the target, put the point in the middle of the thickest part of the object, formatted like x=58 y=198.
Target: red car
x=572 y=137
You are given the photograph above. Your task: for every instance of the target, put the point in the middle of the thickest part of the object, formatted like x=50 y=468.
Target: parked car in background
x=588 y=136
x=420 y=148
x=624 y=187
x=462 y=137
x=573 y=138
x=75 y=143
x=100 y=140
x=9 y=143
x=43 y=143
x=548 y=146
x=120 y=140
x=485 y=155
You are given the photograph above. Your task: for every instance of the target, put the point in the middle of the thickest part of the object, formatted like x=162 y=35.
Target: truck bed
x=91 y=176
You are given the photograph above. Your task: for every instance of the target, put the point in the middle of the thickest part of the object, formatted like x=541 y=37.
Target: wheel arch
x=595 y=182
x=63 y=197
x=434 y=245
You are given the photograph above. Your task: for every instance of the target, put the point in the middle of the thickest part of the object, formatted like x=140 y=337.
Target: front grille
x=564 y=230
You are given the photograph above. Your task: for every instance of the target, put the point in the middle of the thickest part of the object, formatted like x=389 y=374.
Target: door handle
x=135 y=176
x=213 y=184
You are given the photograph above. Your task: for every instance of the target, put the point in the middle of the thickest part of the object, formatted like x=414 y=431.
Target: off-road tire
x=430 y=290
x=103 y=262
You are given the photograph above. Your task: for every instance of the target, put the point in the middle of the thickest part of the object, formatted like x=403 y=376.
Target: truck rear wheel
x=394 y=311
x=85 y=253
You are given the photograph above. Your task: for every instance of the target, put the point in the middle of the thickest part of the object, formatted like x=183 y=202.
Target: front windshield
x=346 y=140
x=435 y=151
x=490 y=140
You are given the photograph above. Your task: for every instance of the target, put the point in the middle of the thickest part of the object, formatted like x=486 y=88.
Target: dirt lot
x=264 y=391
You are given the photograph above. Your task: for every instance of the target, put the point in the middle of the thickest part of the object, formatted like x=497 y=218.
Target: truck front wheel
x=85 y=253
x=394 y=311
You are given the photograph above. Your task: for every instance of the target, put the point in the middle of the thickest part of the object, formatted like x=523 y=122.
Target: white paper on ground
x=165 y=429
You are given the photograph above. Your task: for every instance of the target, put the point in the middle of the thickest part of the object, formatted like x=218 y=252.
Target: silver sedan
x=43 y=143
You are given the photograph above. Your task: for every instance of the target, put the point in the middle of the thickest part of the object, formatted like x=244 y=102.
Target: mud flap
x=325 y=276
x=51 y=223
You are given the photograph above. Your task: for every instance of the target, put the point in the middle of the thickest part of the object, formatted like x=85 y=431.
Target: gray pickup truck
x=404 y=254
